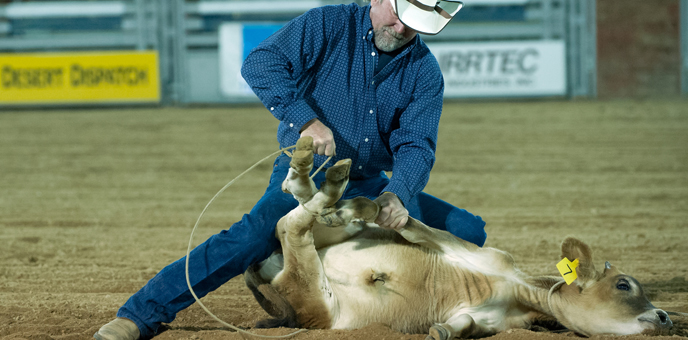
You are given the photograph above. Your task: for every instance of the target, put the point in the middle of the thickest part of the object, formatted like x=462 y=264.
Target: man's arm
x=413 y=146
x=274 y=67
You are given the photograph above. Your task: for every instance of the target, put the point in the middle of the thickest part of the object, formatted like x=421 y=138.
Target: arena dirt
x=94 y=202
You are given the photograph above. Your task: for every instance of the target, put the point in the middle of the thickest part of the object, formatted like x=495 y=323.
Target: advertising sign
x=88 y=77
x=502 y=69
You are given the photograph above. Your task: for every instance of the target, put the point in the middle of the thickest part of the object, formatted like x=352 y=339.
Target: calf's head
x=604 y=302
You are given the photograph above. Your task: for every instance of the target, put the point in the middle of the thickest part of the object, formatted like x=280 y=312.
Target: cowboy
x=363 y=84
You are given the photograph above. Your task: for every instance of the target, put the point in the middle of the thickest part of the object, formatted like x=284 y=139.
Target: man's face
x=390 y=33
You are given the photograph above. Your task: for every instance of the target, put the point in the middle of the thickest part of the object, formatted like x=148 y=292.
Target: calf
x=337 y=270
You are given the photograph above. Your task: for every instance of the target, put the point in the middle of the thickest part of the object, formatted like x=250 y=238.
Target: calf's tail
x=283 y=314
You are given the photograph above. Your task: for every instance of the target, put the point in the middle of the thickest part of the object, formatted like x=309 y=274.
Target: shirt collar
x=367 y=23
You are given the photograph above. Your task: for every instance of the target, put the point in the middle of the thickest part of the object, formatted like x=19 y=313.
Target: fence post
x=684 y=47
x=165 y=53
x=180 y=52
x=141 y=28
x=548 y=21
x=582 y=48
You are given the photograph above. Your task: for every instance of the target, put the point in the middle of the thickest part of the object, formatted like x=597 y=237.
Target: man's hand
x=323 y=141
x=392 y=214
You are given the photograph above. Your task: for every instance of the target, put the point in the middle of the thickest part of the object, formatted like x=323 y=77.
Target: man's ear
x=573 y=248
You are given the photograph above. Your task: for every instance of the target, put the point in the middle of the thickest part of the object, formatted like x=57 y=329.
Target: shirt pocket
x=390 y=109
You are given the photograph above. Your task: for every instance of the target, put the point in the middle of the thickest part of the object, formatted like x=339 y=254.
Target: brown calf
x=338 y=270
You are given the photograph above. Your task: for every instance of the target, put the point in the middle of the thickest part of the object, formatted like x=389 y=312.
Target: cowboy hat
x=426 y=16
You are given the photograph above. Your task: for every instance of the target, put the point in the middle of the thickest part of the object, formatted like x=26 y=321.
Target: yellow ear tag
x=568 y=270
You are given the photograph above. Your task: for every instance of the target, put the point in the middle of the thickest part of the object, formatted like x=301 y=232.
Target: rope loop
x=313 y=213
x=188 y=253
x=188 y=249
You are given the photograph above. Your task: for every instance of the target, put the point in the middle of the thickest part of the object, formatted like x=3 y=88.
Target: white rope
x=311 y=212
x=188 y=249
x=321 y=166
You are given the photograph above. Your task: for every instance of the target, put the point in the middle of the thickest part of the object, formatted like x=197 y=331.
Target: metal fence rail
x=70 y=25
x=507 y=20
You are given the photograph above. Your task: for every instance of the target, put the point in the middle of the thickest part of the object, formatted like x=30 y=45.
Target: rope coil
x=188 y=249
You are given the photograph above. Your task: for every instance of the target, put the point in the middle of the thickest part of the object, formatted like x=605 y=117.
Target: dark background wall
x=638 y=48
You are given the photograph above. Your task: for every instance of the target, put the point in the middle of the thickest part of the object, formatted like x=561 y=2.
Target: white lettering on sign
x=490 y=61
x=524 y=68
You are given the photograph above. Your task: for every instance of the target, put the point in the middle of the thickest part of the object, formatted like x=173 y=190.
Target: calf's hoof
x=302 y=159
x=339 y=171
x=345 y=211
x=438 y=332
x=305 y=143
x=337 y=177
x=365 y=209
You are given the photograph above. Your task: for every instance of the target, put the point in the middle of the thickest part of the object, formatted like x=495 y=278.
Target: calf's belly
x=379 y=281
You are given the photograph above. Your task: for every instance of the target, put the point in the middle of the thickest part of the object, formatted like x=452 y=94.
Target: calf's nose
x=664 y=320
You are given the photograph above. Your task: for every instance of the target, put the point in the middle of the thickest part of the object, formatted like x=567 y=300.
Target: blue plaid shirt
x=321 y=65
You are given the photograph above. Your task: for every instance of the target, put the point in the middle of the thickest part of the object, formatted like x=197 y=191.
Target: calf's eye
x=623 y=285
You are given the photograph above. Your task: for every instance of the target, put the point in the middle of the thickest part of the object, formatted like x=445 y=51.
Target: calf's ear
x=573 y=248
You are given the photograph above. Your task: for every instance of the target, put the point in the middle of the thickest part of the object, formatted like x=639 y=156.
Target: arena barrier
x=544 y=47
x=494 y=48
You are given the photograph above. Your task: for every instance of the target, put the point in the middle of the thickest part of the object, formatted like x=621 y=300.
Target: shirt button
x=366 y=139
x=291 y=124
x=272 y=109
x=371 y=111
x=360 y=167
x=373 y=54
x=373 y=83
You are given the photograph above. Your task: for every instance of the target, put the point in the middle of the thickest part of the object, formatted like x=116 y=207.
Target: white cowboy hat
x=426 y=16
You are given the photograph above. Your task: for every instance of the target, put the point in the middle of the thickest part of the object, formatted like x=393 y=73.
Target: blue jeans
x=251 y=240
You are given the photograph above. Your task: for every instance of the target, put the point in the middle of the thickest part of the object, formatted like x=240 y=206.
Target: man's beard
x=391 y=41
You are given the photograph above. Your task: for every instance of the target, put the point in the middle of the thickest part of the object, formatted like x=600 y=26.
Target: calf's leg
x=302 y=281
x=488 y=261
x=416 y=232
x=298 y=181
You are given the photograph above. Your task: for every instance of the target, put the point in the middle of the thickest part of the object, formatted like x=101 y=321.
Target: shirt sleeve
x=273 y=69
x=413 y=144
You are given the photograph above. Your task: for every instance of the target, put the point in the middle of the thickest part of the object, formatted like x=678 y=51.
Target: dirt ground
x=94 y=202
